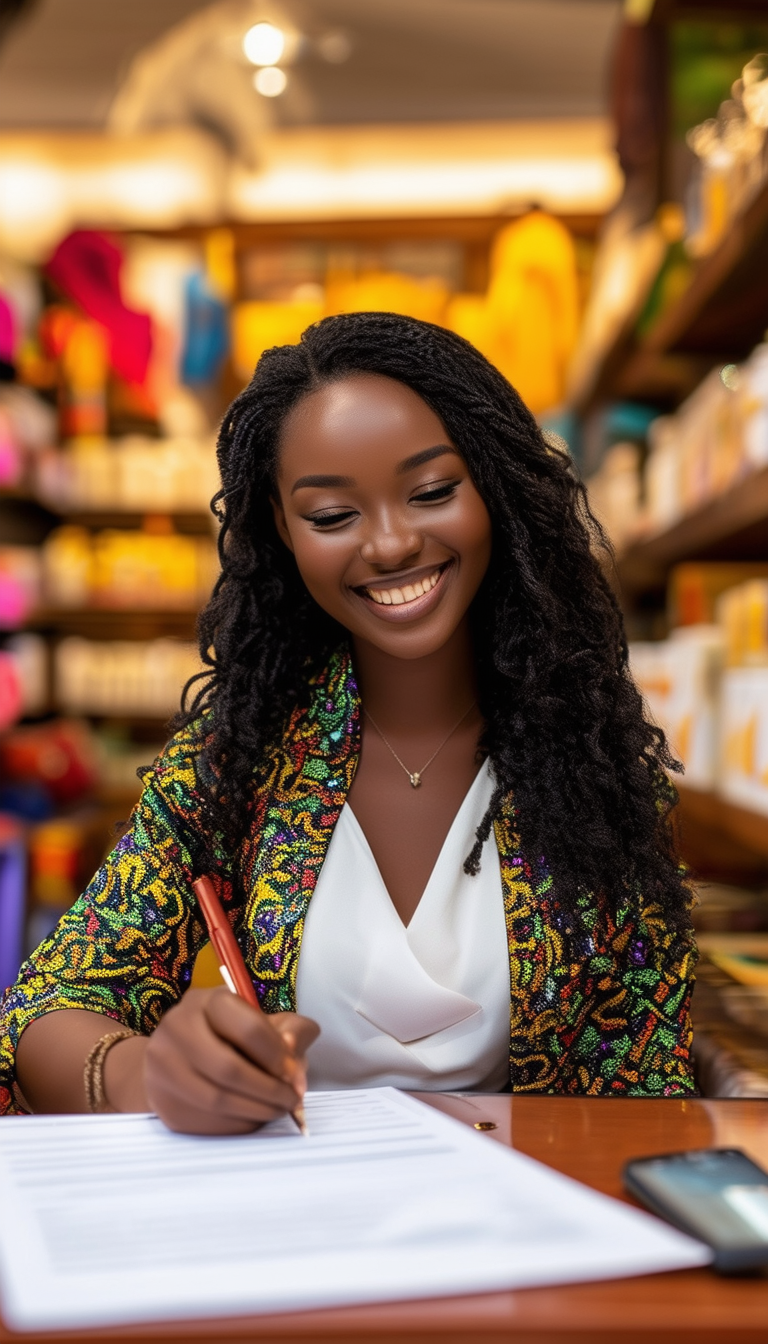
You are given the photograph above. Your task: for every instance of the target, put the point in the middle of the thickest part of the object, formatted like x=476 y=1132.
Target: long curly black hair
x=565 y=729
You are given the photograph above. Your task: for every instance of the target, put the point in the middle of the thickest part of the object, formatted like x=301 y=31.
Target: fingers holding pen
x=217 y=1065
x=276 y=1043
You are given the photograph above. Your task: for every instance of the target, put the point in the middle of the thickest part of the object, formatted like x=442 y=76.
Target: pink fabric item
x=7 y=331
x=86 y=267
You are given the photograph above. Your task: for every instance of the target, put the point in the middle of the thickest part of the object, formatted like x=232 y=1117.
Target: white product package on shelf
x=679 y=679
x=744 y=737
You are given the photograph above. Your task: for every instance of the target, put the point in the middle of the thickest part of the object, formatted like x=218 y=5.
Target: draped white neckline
x=418 y=1005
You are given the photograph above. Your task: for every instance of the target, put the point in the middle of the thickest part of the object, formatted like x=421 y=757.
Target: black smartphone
x=718 y=1195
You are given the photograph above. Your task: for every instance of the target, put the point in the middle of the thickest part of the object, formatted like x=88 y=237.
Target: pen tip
x=301 y=1120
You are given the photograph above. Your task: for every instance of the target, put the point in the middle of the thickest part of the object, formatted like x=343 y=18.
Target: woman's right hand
x=216 y=1065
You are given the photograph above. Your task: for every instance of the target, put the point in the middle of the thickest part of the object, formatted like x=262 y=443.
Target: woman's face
x=389 y=533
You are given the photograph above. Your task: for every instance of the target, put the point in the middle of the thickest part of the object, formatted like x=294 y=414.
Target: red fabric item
x=86 y=267
x=59 y=754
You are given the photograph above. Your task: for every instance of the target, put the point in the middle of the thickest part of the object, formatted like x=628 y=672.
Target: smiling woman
x=416 y=769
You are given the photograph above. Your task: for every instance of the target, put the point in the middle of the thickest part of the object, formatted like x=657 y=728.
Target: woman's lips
x=406 y=601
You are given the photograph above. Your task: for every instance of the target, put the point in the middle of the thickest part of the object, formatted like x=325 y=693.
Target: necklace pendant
x=415 y=779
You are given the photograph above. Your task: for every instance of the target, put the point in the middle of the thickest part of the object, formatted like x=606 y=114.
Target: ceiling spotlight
x=270 y=81
x=264 y=44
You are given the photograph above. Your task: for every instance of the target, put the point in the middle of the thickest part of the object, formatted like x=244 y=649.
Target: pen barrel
x=224 y=941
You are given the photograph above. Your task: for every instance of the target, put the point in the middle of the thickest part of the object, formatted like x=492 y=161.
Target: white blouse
x=424 y=1006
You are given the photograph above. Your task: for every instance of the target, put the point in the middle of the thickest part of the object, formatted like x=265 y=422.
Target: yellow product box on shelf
x=743 y=776
x=743 y=615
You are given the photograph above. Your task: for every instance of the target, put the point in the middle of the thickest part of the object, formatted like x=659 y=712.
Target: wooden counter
x=589 y=1139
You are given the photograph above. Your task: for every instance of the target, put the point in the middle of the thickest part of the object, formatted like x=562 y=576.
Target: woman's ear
x=278 y=513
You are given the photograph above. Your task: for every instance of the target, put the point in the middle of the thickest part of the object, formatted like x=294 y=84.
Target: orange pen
x=233 y=969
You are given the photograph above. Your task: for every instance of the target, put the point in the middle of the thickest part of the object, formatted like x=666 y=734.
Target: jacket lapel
x=296 y=812
x=536 y=961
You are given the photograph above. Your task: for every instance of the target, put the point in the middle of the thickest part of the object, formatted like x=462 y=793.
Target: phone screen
x=718 y=1195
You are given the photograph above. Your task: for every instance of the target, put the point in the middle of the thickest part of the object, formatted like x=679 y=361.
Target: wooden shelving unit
x=116 y=622
x=733 y=526
x=719 y=318
x=190 y=523
x=721 y=841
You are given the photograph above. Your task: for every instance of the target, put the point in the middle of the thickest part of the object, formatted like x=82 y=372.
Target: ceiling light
x=264 y=44
x=270 y=81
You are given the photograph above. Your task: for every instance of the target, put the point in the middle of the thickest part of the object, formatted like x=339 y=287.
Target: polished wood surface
x=586 y=1138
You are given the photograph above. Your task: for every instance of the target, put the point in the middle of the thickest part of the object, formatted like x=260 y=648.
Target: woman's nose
x=392 y=540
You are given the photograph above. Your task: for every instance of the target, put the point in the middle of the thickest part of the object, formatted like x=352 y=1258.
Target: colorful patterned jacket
x=599 y=1005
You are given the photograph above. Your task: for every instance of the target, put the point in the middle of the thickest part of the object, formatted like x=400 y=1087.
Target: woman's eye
x=325 y=520
x=434 y=493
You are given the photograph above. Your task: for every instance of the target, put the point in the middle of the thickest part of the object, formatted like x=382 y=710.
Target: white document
x=113 y=1219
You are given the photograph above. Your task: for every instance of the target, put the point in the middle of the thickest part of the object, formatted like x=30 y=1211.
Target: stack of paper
x=113 y=1219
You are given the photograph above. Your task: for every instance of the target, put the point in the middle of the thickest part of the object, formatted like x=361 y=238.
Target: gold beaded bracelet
x=93 y=1073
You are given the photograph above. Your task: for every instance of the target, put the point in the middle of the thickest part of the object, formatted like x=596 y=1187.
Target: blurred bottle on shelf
x=13 y=875
x=84 y=369
x=730 y=149
x=694 y=590
x=743 y=613
x=718 y=437
x=527 y=322
x=615 y=493
x=132 y=474
x=134 y=677
x=64 y=853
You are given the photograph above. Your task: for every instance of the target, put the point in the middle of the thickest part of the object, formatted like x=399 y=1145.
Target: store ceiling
x=63 y=61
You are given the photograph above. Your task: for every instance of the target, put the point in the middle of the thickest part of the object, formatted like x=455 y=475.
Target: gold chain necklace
x=415 y=776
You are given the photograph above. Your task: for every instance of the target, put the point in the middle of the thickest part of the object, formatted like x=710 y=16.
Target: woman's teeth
x=395 y=597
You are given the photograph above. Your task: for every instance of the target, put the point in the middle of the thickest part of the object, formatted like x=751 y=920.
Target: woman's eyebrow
x=426 y=455
x=346 y=482
x=322 y=482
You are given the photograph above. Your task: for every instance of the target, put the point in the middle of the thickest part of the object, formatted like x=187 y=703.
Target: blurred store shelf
x=721 y=840
x=732 y=526
x=720 y=316
x=190 y=523
x=117 y=623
